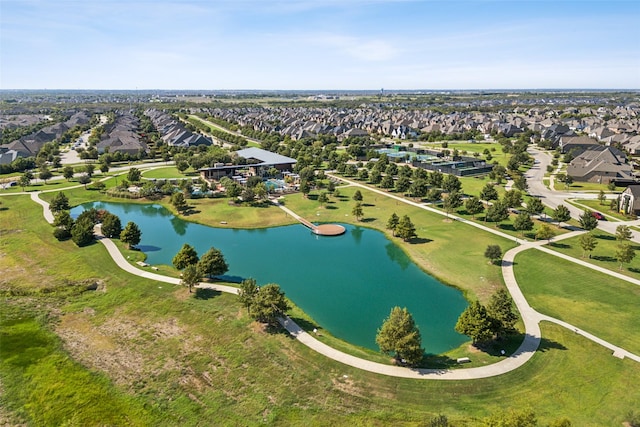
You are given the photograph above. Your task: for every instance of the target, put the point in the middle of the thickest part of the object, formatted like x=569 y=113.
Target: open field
x=129 y=341
x=595 y=302
x=472 y=147
x=168 y=172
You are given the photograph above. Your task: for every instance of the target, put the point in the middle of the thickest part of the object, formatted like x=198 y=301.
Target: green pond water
x=347 y=284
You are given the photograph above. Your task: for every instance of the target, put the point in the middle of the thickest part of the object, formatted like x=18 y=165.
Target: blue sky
x=319 y=44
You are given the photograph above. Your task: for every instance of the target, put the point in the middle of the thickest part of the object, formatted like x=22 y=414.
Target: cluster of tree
x=194 y=268
x=401 y=227
x=81 y=230
x=434 y=136
x=483 y=324
x=20 y=164
x=266 y=303
x=625 y=251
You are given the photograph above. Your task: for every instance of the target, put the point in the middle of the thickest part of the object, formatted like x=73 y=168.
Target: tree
x=375 y=177
x=475 y=323
x=131 y=234
x=405 y=229
x=179 y=202
x=89 y=168
x=82 y=232
x=501 y=310
x=64 y=224
x=403 y=184
x=623 y=233
x=399 y=336
x=357 y=196
x=104 y=167
x=357 y=211
x=134 y=175
x=512 y=198
x=247 y=293
x=111 y=225
x=587 y=220
x=190 y=276
x=84 y=180
x=60 y=202
x=393 y=222
x=305 y=188
x=268 y=304
x=212 y=263
x=323 y=198
x=568 y=181
x=493 y=252
x=625 y=253
x=545 y=233
x=473 y=206
x=363 y=174
x=451 y=183
x=602 y=197
x=520 y=183
x=67 y=172
x=452 y=202
x=45 y=174
x=561 y=214
x=25 y=180
x=187 y=255
x=387 y=182
x=523 y=222
x=535 y=206
x=497 y=212
x=419 y=188
x=588 y=243
x=489 y=192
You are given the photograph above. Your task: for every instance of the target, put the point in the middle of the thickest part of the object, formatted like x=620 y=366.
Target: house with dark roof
x=576 y=144
x=629 y=201
x=256 y=160
x=601 y=164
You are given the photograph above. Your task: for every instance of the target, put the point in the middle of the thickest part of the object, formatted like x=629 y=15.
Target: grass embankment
x=600 y=304
x=604 y=255
x=152 y=354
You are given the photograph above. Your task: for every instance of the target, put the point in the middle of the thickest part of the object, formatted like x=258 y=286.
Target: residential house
x=601 y=164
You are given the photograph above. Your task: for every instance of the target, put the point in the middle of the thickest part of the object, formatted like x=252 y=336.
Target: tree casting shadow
x=206 y=293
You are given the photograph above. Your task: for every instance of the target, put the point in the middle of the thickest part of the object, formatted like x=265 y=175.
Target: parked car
x=598 y=215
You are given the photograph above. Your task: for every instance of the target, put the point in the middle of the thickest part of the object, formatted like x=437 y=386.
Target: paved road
x=553 y=198
x=526 y=350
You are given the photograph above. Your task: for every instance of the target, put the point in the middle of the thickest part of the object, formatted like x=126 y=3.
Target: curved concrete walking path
x=527 y=349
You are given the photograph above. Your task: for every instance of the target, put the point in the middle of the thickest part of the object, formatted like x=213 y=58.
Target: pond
x=347 y=284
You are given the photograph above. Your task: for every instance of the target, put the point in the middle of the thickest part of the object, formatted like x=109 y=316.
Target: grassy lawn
x=603 y=305
x=472 y=147
x=168 y=173
x=592 y=187
x=604 y=255
x=145 y=353
x=595 y=205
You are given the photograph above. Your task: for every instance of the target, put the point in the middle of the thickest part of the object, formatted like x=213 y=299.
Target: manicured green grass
x=592 y=187
x=600 y=304
x=168 y=172
x=604 y=255
x=475 y=147
x=595 y=205
x=156 y=349
x=473 y=185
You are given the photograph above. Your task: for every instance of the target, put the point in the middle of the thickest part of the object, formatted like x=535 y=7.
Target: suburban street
x=554 y=198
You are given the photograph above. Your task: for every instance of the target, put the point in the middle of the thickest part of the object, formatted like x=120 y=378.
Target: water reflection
x=346 y=284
